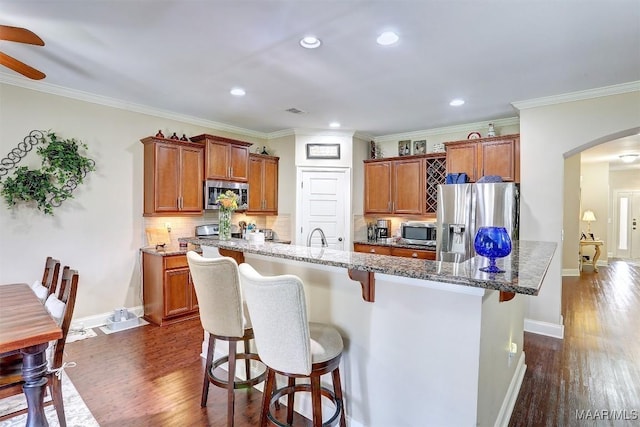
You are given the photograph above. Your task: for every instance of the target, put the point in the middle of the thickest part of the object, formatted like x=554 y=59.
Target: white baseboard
x=504 y=415
x=101 y=319
x=544 y=328
x=570 y=272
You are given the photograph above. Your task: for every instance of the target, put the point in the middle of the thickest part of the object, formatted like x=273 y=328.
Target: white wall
x=571 y=223
x=100 y=231
x=547 y=132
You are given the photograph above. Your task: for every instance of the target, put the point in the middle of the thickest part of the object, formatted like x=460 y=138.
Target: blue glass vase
x=492 y=242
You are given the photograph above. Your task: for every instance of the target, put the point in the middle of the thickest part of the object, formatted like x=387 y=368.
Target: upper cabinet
x=225 y=159
x=394 y=186
x=486 y=156
x=172 y=177
x=263 y=184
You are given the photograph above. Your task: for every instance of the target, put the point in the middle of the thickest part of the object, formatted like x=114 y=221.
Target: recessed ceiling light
x=237 y=91
x=628 y=158
x=457 y=102
x=387 y=38
x=334 y=125
x=310 y=42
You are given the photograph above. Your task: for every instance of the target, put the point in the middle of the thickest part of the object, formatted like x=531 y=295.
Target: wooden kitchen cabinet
x=172 y=177
x=263 y=184
x=225 y=159
x=486 y=156
x=168 y=292
x=394 y=186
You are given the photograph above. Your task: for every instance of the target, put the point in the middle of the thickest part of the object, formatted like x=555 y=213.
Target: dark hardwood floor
x=151 y=376
x=592 y=377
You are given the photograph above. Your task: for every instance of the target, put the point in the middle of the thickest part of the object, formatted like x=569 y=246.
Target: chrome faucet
x=323 y=238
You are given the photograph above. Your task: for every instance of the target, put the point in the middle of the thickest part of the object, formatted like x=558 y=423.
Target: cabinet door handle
x=414 y=255
x=373 y=251
x=231 y=174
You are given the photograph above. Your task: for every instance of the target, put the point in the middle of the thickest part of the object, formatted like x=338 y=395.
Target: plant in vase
x=228 y=202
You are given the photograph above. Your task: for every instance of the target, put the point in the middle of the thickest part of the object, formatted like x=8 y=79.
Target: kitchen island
x=434 y=346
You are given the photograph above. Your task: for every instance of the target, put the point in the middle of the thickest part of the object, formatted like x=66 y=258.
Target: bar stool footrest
x=284 y=391
x=247 y=383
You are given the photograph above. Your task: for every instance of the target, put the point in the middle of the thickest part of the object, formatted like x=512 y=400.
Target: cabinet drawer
x=413 y=253
x=372 y=249
x=177 y=261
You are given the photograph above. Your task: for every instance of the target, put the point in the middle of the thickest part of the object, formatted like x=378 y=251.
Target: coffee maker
x=383 y=228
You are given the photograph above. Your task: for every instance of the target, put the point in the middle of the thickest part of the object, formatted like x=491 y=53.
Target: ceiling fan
x=20 y=35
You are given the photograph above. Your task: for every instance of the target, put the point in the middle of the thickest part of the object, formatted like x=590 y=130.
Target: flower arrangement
x=228 y=202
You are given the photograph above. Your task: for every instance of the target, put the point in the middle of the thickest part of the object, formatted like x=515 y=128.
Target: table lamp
x=588 y=216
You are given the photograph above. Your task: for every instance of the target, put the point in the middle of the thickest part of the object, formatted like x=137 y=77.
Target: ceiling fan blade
x=20 y=35
x=20 y=67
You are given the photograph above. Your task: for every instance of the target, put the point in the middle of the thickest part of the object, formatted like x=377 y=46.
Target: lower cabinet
x=395 y=251
x=168 y=292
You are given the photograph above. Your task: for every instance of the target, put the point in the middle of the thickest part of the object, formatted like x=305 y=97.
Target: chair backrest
x=278 y=312
x=50 y=275
x=217 y=286
x=67 y=296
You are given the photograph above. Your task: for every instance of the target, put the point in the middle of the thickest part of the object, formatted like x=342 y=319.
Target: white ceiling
x=185 y=56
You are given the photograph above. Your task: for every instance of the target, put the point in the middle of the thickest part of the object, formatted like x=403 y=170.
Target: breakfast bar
x=437 y=331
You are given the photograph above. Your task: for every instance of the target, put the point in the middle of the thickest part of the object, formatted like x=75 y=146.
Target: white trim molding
x=447 y=130
x=509 y=402
x=578 y=96
x=554 y=330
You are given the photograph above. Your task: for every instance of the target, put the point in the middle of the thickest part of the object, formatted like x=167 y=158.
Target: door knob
x=339 y=239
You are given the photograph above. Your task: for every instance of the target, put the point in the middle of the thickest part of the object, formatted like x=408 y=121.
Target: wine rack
x=436 y=173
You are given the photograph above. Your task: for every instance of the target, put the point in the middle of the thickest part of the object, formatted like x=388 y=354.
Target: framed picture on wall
x=420 y=147
x=404 y=147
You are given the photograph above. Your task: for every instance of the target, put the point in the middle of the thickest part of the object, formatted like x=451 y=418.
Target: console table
x=596 y=244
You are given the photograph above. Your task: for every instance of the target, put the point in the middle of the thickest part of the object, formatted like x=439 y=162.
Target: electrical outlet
x=168 y=226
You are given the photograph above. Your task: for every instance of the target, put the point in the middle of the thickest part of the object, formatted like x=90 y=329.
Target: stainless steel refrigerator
x=463 y=208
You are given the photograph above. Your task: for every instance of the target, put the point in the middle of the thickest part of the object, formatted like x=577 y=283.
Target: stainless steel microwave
x=418 y=233
x=212 y=189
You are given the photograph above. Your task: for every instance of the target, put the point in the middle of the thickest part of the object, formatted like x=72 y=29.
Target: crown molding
x=124 y=105
x=447 y=130
x=323 y=132
x=578 y=96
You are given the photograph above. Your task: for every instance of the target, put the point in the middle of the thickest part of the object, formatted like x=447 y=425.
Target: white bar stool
x=291 y=346
x=223 y=316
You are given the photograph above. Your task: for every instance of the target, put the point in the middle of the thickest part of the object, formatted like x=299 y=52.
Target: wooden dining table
x=27 y=327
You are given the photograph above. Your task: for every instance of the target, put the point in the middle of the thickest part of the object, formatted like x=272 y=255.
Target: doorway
x=324 y=199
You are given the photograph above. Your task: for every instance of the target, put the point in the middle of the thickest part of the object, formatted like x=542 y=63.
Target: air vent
x=294 y=110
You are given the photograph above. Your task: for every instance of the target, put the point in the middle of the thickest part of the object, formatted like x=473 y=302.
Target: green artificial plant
x=63 y=169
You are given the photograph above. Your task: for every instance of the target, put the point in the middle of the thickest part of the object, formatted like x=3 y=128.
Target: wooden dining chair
x=50 y=275
x=47 y=285
x=60 y=307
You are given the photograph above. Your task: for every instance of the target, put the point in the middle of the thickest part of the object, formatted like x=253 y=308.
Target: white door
x=634 y=225
x=628 y=224
x=323 y=201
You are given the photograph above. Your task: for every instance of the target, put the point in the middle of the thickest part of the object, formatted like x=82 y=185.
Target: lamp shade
x=588 y=216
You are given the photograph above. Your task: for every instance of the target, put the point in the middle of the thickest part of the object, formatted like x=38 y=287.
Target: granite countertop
x=396 y=243
x=170 y=249
x=524 y=269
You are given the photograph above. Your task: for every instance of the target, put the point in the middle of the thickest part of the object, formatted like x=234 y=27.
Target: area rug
x=106 y=330
x=80 y=334
x=76 y=411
